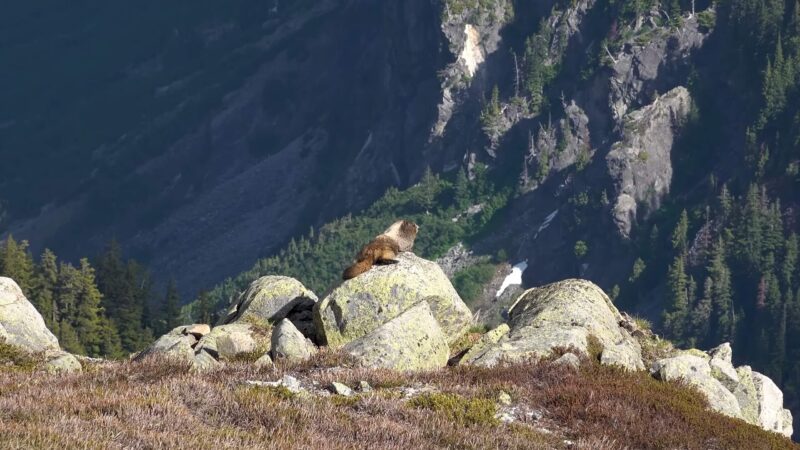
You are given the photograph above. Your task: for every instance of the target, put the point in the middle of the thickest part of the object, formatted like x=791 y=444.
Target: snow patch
x=514 y=278
x=472 y=55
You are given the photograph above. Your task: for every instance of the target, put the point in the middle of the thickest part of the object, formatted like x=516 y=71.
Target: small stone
x=197 y=330
x=341 y=389
x=204 y=362
x=292 y=384
x=264 y=361
x=569 y=360
x=503 y=398
x=363 y=386
x=63 y=362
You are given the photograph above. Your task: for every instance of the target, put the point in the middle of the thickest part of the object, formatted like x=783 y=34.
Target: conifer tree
x=675 y=318
x=88 y=313
x=16 y=263
x=718 y=272
x=680 y=234
x=44 y=290
x=172 y=309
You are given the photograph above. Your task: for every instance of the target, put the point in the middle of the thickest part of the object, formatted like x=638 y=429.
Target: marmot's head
x=403 y=229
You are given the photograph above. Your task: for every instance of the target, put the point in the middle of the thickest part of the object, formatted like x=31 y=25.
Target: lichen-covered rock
x=563 y=314
x=271 y=299
x=204 y=362
x=722 y=366
x=62 y=362
x=264 y=362
x=20 y=324
x=696 y=371
x=641 y=164
x=569 y=360
x=771 y=414
x=176 y=345
x=364 y=303
x=411 y=341
x=485 y=342
x=289 y=343
x=746 y=396
x=198 y=330
x=235 y=340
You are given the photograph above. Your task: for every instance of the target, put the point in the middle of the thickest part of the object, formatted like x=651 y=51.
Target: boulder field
x=407 y=316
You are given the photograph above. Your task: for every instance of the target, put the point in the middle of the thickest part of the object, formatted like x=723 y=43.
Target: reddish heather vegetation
x=155 y=404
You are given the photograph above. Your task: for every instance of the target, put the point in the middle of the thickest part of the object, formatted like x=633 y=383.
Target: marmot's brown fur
x=384 y=248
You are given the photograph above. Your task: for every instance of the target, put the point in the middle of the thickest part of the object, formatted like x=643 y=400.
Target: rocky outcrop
x=411 y=341
x=636 y=70
x=20 y=324
x=177 y=345
x=471 y=35
x=22 y=327
x=567 y=314
x=362 y=304
x=187 y=344
x=696 y=371
x=288 y=342
x=234 y=341
x=740 y=392
x=271 y=299
x=641 y=165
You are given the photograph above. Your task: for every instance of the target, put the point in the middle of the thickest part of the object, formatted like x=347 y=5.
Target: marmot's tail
x=357 y=269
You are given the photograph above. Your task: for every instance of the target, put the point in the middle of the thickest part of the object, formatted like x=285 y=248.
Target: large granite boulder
x=362 y=304
x=22 y=327
x=271 y=299
x=696 y=371
x=177 y=345
x=288 y=342
x=20 y=324
x=737 y=392
x=562 y=315
x=235 y=341
x=411 y=341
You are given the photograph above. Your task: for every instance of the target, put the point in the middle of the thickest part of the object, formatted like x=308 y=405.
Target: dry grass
x=153 y=405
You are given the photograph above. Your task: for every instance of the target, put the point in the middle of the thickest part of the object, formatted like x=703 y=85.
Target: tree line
x=106 y=307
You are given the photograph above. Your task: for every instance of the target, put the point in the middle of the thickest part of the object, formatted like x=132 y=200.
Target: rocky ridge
x=409 y=318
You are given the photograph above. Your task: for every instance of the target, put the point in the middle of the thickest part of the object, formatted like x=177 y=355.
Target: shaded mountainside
x=649 y=146
x=222 y=135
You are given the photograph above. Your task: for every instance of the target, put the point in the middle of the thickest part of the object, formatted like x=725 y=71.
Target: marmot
x=384 y=248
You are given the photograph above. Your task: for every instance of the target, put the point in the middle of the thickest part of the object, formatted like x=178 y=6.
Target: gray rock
x=175 y=345
x=722 y=367
x=641 y=164
x=771 y=414
x=62 y=362
x=362 y=304
x=563 y=314
x=746 y=395
x=20 y=324
x=696 y=371
x=204 y=362
x=637 y=68
x=569 y=360
x=486 y=342
x=722 y=352
x=197 y=330
x=410 y=341
x=264 y=362
x=341 y=389
x=271 y=299
x=363 y=386
x=289 y=343
x=234 y=340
